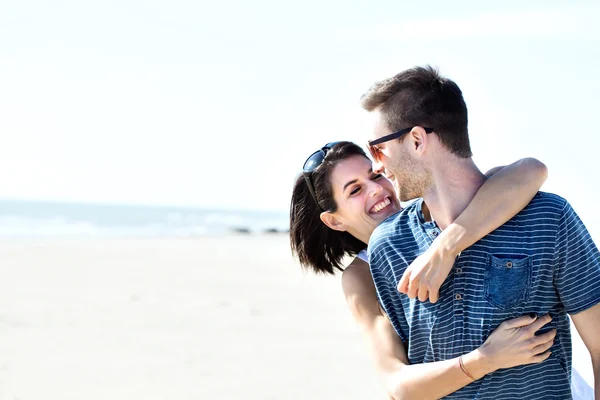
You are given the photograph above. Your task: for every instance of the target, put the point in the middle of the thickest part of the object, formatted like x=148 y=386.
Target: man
x=543 y=261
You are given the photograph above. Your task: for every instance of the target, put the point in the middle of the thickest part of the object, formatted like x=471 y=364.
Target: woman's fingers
x=537 y=350
x=435 y=279
x=434 y=295
x=423 y=292
x=518 y=322
x=539 y=358
x=537 y=324
x=404 y=281
x=543 y=338
x=413 y=284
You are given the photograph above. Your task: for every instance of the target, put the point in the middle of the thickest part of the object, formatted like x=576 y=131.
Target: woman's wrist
x=450 y=241
x=477 y=364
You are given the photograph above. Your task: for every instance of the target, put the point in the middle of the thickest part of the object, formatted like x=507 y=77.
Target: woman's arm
x=509 y=345
x=500 y=198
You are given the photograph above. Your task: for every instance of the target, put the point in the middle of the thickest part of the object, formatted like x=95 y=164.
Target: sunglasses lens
x=314 y=161
x=330 y=145
x=317 y=157
x=374 y=152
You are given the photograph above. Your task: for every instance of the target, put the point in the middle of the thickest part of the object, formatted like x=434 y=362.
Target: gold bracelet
x=463 y=369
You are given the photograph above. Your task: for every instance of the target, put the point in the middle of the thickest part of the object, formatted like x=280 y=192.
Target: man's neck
x=455 y=183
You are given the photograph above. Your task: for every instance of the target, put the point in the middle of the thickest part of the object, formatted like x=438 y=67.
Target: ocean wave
x=30 y=219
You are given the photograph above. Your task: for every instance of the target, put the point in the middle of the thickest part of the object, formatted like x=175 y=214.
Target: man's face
x=395 y=157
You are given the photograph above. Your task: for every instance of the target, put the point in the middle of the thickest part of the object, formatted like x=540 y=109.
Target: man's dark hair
x=317 y=246
x=420 y=96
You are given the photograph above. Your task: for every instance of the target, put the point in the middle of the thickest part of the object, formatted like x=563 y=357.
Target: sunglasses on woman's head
x=375 y=151
x=312 y=163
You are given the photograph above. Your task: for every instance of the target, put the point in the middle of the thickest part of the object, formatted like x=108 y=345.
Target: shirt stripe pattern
x=541 y=261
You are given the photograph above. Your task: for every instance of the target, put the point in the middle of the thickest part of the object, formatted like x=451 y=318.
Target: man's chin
x=409 y=199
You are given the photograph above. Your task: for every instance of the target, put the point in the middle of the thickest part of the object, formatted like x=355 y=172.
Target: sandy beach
x=208 y=318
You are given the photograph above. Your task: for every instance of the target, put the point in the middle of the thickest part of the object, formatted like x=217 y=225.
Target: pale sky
x=217 y=104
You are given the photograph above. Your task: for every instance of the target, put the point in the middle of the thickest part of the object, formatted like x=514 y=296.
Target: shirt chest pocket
x=507 y=280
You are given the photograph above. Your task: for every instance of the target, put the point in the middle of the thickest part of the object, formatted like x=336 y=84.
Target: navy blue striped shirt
x=542 y=261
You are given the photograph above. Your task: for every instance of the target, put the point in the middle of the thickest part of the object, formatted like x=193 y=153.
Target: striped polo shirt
x=542 y=261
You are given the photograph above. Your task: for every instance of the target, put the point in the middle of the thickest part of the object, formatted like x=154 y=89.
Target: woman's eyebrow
x=348 y=184
x=369 y=172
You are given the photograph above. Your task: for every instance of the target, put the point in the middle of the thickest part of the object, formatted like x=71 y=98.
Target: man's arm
x=587 y=323
x=577 y=282
x=514 y=343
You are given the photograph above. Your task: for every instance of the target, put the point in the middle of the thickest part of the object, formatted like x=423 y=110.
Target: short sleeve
x=383 y=277
x=577 y=264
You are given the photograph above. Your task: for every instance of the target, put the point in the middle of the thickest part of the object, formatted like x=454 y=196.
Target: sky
x=218 y=104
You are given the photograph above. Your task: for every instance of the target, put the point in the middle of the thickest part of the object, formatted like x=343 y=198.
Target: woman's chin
x=383 y=214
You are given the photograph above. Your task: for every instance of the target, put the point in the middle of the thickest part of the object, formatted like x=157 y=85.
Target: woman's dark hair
x=317 y=246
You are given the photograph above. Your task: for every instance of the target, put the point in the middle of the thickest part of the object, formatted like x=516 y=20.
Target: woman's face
x=364 y=198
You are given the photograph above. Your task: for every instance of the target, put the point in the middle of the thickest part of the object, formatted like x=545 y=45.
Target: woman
x=336 y=204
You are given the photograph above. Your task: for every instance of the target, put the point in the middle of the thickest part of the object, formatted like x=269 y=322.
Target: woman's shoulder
x=360 y=291
x=357 y=276
x=362 y=255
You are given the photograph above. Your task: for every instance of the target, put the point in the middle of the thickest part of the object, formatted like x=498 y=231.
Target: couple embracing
x=465 y=293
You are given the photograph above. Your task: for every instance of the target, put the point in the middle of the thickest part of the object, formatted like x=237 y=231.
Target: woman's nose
x=376 y=189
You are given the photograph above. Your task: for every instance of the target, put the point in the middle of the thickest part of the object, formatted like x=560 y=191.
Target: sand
x=208 y=318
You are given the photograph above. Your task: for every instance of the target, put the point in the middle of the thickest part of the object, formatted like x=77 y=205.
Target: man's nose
x=378 y=167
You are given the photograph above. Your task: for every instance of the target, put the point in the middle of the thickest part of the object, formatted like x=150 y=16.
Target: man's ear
x=332 y=222
x=419 y=139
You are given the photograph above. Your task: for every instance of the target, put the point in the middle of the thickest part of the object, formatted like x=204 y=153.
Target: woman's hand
x=515 y=342
x=425 y=275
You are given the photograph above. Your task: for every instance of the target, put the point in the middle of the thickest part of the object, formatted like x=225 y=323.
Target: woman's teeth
x=383 y=204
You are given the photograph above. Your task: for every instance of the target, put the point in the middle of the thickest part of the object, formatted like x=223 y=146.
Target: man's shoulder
x=548 y=199
x=399 y=225
x=541 y=218
x=396 y=221
x=544 y=205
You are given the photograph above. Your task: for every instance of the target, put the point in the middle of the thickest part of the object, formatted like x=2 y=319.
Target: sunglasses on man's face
x=312 y=163
x=372 y=144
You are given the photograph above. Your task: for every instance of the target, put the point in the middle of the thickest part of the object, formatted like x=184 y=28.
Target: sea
x=52 y=219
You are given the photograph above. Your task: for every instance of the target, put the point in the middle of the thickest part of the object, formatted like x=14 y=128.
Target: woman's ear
x=332 y=221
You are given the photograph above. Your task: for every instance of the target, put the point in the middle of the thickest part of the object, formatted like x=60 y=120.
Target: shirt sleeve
x=577 y=267
x=383 y=277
